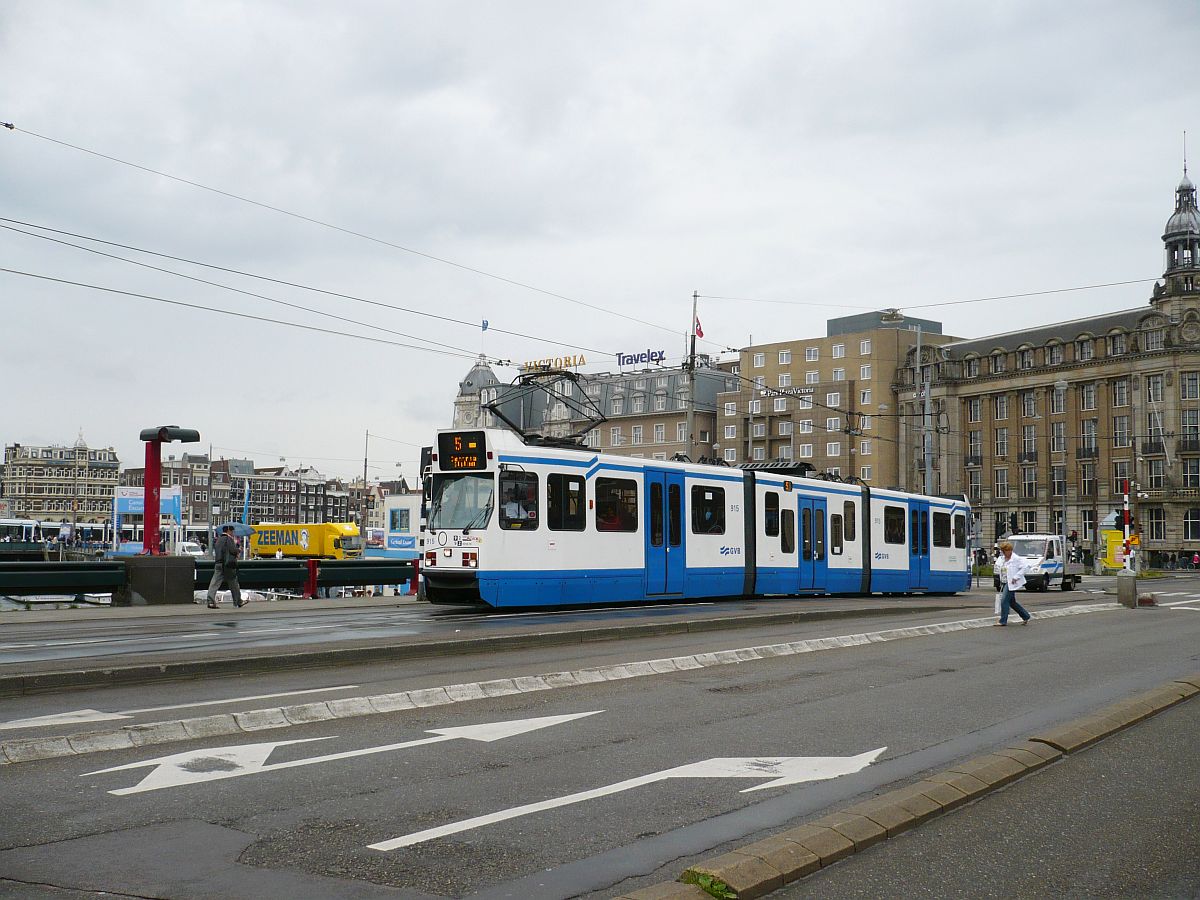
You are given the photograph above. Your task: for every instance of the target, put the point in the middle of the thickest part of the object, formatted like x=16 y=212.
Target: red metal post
x=151 y=498
x=412 y=588
x=310 y=583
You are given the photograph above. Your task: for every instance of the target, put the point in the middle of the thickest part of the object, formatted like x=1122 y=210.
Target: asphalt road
x=316 y=829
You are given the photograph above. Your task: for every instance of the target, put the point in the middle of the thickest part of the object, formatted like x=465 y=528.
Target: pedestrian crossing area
x=1181 y=600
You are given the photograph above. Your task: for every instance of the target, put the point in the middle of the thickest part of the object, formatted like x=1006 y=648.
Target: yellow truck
x=326 y=540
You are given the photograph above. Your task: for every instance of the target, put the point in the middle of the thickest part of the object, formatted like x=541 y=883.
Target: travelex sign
x=646 y=356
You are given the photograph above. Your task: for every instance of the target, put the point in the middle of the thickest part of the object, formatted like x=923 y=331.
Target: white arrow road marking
x=96 y=715
x=218 y=763
x=781 y=770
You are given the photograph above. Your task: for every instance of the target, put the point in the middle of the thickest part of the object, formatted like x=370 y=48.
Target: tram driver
x=512 y=507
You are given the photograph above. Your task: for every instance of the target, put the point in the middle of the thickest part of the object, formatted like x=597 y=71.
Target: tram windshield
x=461 y=501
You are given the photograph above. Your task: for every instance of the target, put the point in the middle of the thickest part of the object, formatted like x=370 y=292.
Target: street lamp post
x=1061 y=386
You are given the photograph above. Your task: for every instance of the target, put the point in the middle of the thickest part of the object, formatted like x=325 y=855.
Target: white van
x=1044 y=553
x=189 y=548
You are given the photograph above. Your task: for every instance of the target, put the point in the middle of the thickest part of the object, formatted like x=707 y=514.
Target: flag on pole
x=485 y=324
x=699 y=330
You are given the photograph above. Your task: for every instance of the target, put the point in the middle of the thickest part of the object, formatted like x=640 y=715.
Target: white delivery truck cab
x=1048 y=563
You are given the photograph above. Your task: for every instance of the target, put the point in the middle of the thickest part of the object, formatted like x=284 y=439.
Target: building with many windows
x=58 y=483
x=826 y=401
x=1046 y=422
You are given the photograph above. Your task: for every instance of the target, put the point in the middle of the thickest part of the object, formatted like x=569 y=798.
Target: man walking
x=225 y=555
x=1011 y=569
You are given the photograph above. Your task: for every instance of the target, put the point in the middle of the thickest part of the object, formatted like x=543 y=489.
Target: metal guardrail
x=111 y=576
x=28 y=578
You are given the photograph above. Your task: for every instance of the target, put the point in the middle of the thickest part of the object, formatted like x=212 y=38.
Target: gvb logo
x=731 y=551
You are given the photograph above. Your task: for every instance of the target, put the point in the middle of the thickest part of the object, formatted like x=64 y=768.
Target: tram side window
x=771 y=519
x=835 y=534
x=893 y=525
x=787 y=541
x=941 y=529
x=960 y=531
x=518 y=501
x=849 y=524
x=616 y=504
x=564 y=503
x=819 y=536
x=708 y=510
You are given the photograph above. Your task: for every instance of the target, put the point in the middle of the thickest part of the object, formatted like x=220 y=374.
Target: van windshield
x=461 y=501
x=1029 y=546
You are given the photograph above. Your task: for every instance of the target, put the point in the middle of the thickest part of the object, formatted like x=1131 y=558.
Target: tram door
x=664 y=532
x=918 y=543
x=813 y=544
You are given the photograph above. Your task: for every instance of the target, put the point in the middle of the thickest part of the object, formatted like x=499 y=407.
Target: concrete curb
x=16 y=685
x=31 y=749
x=764 y=866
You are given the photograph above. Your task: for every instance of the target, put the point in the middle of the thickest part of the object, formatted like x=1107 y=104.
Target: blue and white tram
x=517 y=525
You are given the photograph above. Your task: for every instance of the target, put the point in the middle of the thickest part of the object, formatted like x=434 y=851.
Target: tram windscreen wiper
x=481 y=519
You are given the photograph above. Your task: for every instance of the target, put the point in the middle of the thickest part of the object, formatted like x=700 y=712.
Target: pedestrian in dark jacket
x=225 y=557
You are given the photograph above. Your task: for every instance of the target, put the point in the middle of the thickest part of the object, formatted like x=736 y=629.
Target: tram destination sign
x=462 y=450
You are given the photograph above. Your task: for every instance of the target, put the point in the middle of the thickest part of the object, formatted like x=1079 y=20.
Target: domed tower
x=1181 y=237
x=467 y=405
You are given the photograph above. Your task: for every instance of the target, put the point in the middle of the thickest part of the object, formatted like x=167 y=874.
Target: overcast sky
x=839 y=157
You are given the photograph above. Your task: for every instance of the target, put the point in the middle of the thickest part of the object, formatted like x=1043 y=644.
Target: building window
x=864 y=448
x=785 y=379
x=618 y=406
x=974 y=487
x=1120 y=470
x=660 y=402
x=833 y=424
x=812 y=377
x=1154 y=427
x=804 y=402
x=755 y=407
x=1028 y=404
x=833 y=399
x=1058 y=480
x=805 y=451
x=864 y=347
x=839 y=374
x=1189 y=421
x=864 y=372
x=760 y=382
x=971 y=368
x=1191 y=472
x=681 y=431
x=998 y=363
x=1156 y=521
x=1002 y=442
x=614 y=437
x=864 y=473
x=759 y=454
x=730 y=432
x=1058 y=401
x=839 y=351
x=785 y=428
x=1087 y=396
x=730 y=454
x=660 y=433
x=1154 y=339
x=1121 y=435
x=864 y=397
x=974 y=443
x=639 y=405
x=806 y=426
x=1028 y=521
x=1154 y=388
x=785 y=357
x=780 y=404
x=759 y=429
x=975 y=409
x=1157 y=469
x=1189 y=385
x=812 y=354
x=1028 y=439
x=1024 y=359
x=833 y=449
x=1028 y=483
x=760 y=360
x=1120 y=392
x=1084 y=349
x=1191 y=525
x=785 y=452
x=1000 y=407
x=731 y=409
x=1116 y=344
